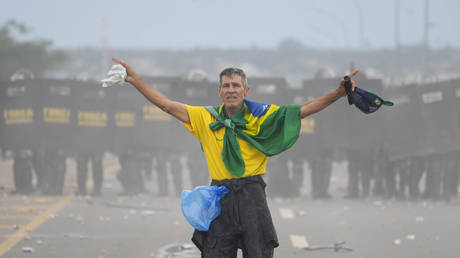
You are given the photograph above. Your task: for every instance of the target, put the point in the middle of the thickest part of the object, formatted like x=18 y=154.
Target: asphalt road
x=147 y=226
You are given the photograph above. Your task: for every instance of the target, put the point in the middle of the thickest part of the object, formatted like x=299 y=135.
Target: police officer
x=321 y=174
x=280 y=183
x=38 y=162
x=22 y=172
x=162 y=173
x=83 y=159
x=130 y=174
x=416 y=171
x=197 y=166
x=296 y=176
x=360 y=171
x=55 y=167
x=176 y=170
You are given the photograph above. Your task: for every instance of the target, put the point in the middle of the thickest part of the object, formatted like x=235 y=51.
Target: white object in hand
x=117 y=75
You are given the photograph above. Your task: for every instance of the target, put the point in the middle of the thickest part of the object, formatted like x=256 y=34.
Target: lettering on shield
x=153 y=113
x=18 y=116
x=125 y=119
x=56 y=115
x=92 y=119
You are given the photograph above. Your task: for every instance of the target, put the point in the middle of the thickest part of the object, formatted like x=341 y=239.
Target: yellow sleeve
x=196 y=125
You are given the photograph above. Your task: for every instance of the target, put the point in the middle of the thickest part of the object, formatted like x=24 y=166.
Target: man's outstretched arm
x=174 y=108
x=312 y=106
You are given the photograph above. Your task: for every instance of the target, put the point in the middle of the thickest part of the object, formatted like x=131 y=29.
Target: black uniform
x=82 y=172
x=22 y=172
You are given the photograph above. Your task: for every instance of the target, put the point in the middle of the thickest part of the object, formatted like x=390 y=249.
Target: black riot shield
x=194 y=93
x=333 y=122
x=365 y=131
x=124 y=112
x=92 y=124
x=456 y=92
x=342 y=126
x=2 y=119
x=153 y=132
x=309 y=144
x=55 y=113
x=439 y=118
x=403 y=133
x=20 y=112
x=268 y=90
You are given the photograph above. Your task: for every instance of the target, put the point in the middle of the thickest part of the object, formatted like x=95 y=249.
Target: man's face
x=232 y=92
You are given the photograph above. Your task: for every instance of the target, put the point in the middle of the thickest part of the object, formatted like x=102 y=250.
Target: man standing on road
x=237 y=139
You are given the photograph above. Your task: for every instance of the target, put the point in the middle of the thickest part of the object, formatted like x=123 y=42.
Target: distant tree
x=35 y=55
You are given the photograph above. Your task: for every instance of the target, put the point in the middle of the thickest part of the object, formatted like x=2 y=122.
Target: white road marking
x=287 y=213
x=298 y=241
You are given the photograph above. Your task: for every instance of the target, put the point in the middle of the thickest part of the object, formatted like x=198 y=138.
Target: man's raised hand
x=131 y=76
x=342 y=83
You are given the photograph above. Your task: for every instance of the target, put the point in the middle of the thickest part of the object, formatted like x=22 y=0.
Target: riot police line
x=408 y=151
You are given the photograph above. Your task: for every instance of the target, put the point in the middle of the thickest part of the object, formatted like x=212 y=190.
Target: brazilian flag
x=268 y=128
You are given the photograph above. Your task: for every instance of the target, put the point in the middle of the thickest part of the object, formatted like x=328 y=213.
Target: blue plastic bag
x=202 y=205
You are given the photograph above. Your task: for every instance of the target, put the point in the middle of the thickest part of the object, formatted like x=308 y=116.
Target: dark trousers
x=82 y=172
x=416 y=170
x=320 y=178
x=358 y=175
x=55 y=171
x=176 y=172
x=162 y=175
x=245 y=222
x=22 y=176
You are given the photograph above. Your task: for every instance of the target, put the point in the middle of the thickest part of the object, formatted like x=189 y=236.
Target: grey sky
x=185 y=24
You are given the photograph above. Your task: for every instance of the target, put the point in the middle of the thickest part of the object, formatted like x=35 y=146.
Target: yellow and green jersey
x=260 y=131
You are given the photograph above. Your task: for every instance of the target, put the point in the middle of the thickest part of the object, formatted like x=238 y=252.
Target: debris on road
x=419 y=219
x=148 y=212
x=28 y=249
x=336 y=247
x=80 y=220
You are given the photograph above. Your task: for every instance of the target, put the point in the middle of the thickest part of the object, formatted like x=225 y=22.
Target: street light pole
x=397 y=74
x=426 y=29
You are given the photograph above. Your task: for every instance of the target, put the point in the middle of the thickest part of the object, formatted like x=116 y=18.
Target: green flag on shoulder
x=268 y=128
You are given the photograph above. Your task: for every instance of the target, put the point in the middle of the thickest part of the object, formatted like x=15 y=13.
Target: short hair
x=230 y=72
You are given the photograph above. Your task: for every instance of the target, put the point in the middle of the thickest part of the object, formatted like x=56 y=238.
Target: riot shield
x=365 y=131
x=2 y=118
x=333 y=122
x=456 y=93
x=154 y=124
x=54 y=98
x=92 y=124
x=403 y=132
x=439 y=118
x=268 y=90
x=20 y=112
x=124 y=113
x=343 y=126
x=195 y=93
x=309 y=144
